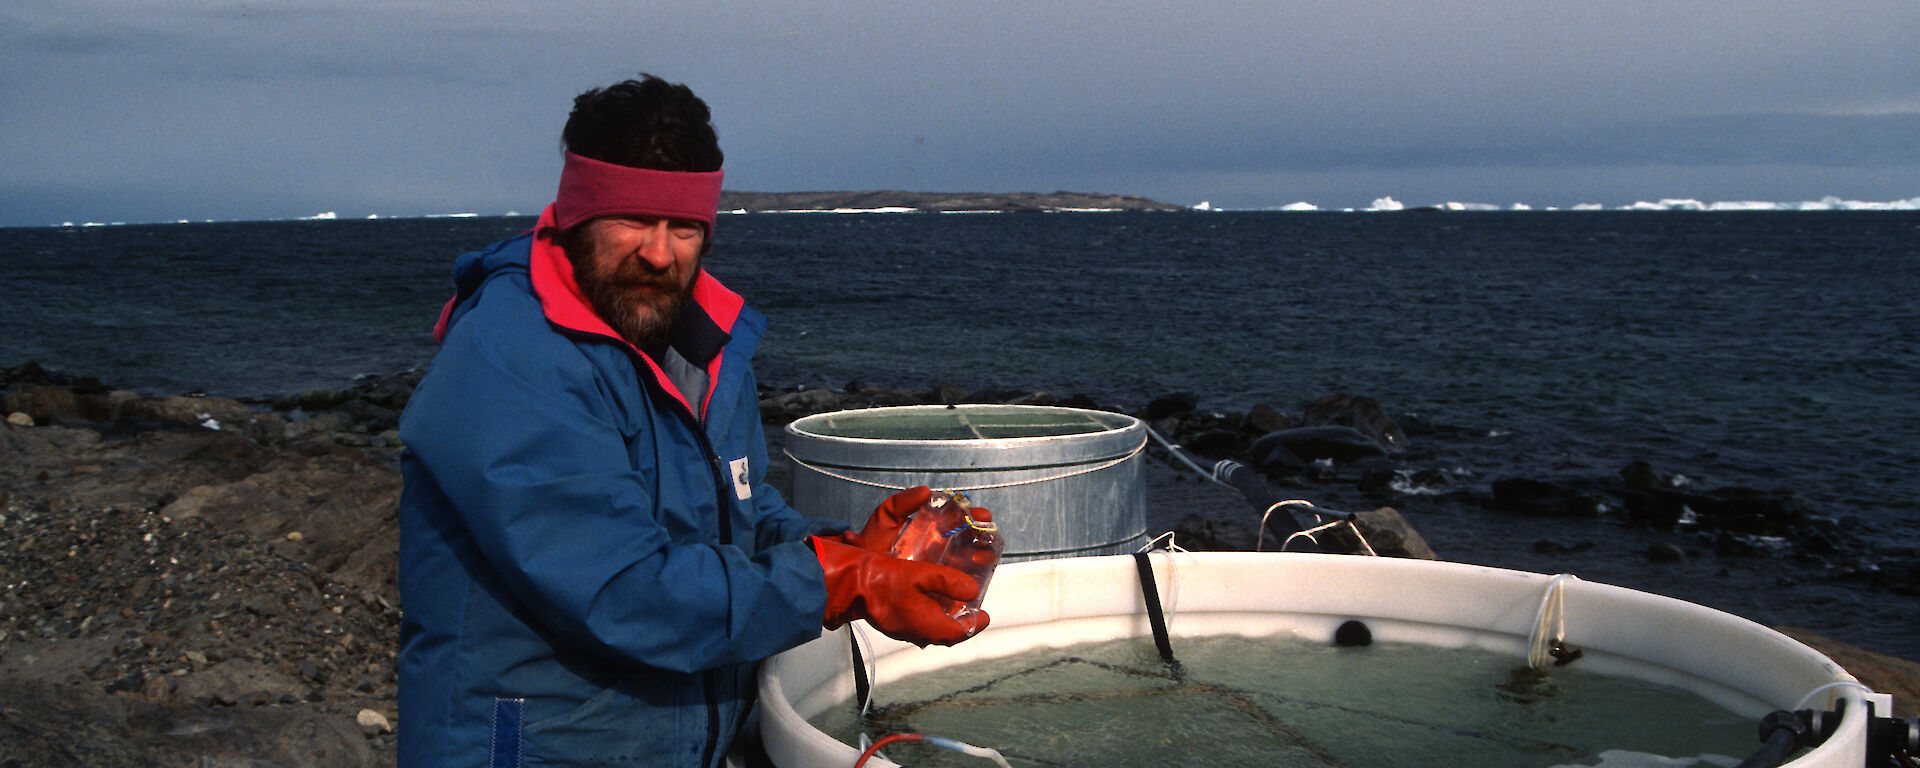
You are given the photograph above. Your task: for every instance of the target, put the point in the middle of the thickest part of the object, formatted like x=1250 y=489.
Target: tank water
x=1235 y=701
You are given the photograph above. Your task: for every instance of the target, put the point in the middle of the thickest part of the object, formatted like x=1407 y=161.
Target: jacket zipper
x=708 y=679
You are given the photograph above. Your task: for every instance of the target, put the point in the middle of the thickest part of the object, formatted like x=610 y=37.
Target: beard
x=639 y=303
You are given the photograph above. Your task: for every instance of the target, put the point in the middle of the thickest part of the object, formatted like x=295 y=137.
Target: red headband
x=591 y=188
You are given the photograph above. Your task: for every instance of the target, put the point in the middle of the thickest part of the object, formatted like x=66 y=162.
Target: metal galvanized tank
x=1060 y=482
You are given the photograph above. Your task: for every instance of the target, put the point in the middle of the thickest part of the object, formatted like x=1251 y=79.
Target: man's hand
x=904 y=599
x=884 y=524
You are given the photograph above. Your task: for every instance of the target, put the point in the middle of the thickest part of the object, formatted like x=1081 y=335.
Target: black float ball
x=1352 y=633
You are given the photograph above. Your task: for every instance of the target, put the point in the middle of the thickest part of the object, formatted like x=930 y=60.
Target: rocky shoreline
x=209 y=582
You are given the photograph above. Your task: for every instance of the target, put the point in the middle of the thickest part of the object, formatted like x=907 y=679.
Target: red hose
x=885 y=740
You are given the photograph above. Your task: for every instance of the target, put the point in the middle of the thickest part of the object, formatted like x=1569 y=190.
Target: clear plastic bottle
x=950 y=531
x=924 y=537
x=974 y=550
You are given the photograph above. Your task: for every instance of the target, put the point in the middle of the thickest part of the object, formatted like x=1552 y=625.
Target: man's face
x=638 y=272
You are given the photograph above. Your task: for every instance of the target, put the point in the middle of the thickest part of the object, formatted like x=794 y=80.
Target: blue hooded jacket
x=589 y=572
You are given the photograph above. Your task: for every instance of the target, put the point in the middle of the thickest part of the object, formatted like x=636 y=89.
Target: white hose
x=1804 y=700
x=1182 y=456
x=1549 y=624
x=968 y=749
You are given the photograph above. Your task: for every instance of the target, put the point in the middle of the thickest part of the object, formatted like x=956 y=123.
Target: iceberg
x=1829 y=203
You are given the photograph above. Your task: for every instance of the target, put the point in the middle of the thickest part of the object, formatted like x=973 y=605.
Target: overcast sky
x=157 y=110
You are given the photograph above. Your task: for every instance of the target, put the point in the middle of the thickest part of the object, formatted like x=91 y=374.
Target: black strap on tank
x=1154 y=614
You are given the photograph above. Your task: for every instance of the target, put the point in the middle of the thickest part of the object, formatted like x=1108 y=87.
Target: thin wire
x=1076 y=473
x=1260 y=541
x=1171 y=546
x=1308 y=533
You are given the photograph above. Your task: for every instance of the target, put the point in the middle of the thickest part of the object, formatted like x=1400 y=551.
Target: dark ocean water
x=1765 y=349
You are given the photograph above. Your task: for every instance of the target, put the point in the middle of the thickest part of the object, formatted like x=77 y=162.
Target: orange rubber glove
x=884 y=524
x=904 y=599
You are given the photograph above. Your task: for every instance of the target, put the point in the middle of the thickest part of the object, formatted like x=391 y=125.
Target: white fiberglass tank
x=1266 y=611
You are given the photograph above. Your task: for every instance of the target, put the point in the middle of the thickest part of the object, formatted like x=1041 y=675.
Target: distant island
x=937 y=202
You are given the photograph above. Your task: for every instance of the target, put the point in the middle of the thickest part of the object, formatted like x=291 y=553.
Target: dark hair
x=644 y=123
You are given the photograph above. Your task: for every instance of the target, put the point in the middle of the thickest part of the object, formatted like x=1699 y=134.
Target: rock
x=1883 y=673
x=1176 y=405
x=237 y=681
x=319 y=424
x=1660 y=508
x=1309 y=444
x=1361 y=414
x=1277 y=461
x=1429 y=480
x=1082 y=402
x=1391 y=535
x=1201 y=534
x=372 y=722
x=158 y=688
x=1747 y=510
x=389 y=392
x=376 y=418
x=318 y=400
x=1641 y=474
x=44 y=404
x=793 y=405
x=1212 y=441
x=947 y=394
x=1534 y=498
x=1263 y=418
x=20 y=419
x=1033 y=398
x=1377 y=474
x=1665 y=553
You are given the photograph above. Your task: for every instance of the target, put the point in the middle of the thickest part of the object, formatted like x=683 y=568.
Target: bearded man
x=591 y=562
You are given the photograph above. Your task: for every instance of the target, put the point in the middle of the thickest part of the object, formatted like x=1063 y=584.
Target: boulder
x=1391 y=535
x=1362 y=414
x=1642 y=475
x=1263 y=418
x=1753 y=511
x=1212 y=442
x=1276 y=460
x=1175 y=405
x=233 y=681
x=1339 y=444
x=1201 y=534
